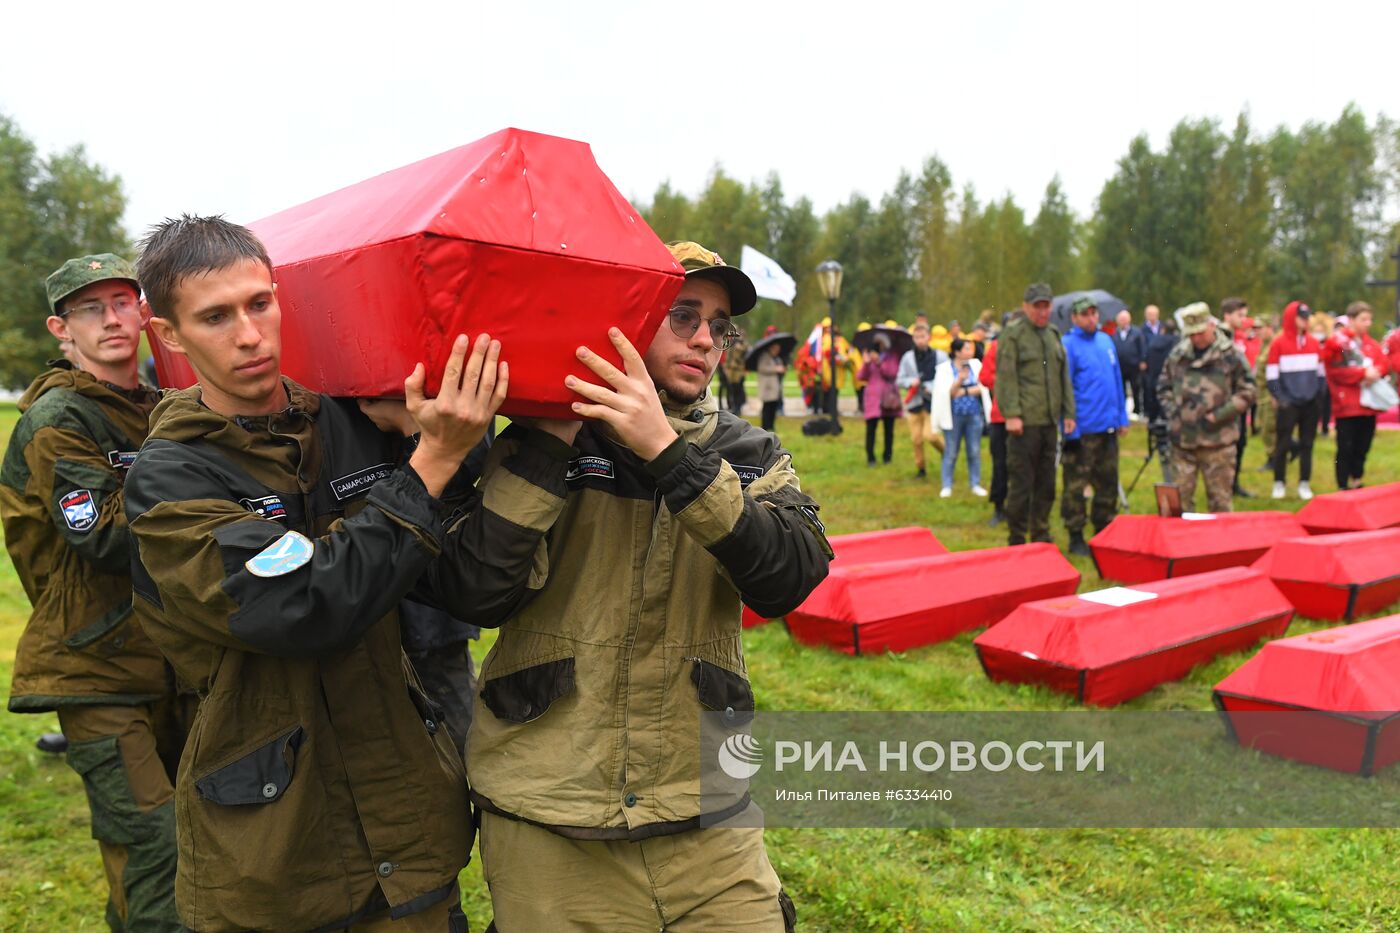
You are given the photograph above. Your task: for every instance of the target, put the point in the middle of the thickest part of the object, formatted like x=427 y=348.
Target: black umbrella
x=785 y=343
x=901 y=341
x=1108 y=305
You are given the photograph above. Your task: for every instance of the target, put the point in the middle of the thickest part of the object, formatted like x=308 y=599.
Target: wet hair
x=176 y=249
x=1230 y=305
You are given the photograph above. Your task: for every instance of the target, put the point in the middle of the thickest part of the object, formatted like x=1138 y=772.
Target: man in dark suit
x=1131 y=344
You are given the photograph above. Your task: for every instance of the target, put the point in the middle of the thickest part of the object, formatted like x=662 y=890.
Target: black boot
x=1242 y=492
x=1077 y=545
x=55 y=743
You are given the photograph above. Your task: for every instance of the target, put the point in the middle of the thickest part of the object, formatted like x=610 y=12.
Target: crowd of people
x=1046 y=399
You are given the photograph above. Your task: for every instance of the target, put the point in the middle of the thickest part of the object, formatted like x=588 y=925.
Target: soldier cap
x=77 y=274
x=1194 y=318
x=699 y=262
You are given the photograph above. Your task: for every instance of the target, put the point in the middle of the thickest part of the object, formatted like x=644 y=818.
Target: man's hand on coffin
x=453 y=422
x=631 y=406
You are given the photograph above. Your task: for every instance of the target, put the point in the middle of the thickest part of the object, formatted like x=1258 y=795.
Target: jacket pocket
x=526 y=695
x=722 y=690
x=103 y=627
x=261 y=776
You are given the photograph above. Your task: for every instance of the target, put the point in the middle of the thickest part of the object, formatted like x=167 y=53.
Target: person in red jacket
x=1297 y=383
x=1353 y=360
x=1391 y=347
x=996 y=429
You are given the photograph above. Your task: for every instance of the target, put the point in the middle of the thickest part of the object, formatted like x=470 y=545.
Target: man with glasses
x=620 y=550
x=82 y=653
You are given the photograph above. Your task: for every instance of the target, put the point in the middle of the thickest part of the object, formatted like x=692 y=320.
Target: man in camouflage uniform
x=733 y=370
x=1035 y=395
x=1204 y=387
x=83 y=653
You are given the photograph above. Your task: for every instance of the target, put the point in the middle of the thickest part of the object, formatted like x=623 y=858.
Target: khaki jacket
x=1032 y=381
x=61 y=498
x=316 y=785
x=620 y=605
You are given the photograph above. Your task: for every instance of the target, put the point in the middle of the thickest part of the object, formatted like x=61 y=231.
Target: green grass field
x=869 y=880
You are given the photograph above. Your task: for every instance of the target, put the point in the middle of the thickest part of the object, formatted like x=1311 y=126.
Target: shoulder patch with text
x=747 y=474
x=79 y=510
x=290 y=552
x=265 y=507
x=583 y=467
x=352 y=484
x=122 y=459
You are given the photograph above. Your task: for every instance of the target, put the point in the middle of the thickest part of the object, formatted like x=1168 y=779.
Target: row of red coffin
x=1107 y=647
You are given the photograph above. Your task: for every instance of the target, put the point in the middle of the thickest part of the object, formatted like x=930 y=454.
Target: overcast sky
x=249 y=112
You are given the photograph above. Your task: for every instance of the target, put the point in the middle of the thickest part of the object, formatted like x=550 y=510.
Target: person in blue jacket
x=1090 y=453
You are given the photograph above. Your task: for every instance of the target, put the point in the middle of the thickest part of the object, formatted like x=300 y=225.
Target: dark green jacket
x=62 y=503
x=618 y=582
x=316 y=784
x=1033 y=381
x=1202 y=397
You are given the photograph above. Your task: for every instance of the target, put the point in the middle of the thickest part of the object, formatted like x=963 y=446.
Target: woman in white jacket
x=961 y=406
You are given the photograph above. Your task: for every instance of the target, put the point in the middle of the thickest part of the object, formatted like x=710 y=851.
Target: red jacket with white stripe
x=1295 y=372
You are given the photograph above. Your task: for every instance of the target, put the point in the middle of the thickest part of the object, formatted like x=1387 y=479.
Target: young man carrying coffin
x=276 y=540
x=621 y=551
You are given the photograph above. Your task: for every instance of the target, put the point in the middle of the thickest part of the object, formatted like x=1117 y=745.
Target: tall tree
x=1055 y=249
x=1239 y=220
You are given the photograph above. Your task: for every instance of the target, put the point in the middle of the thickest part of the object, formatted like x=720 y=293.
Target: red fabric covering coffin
x=1353 y=510
x=868 y=547
x=1140 y=548
x=1339 y=689
x=902 y=604
x=517 y=234
x=1105 y=654
x=1339 y=576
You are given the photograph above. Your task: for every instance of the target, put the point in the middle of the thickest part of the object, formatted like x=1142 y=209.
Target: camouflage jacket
x=1203 y=396
x=61 y=498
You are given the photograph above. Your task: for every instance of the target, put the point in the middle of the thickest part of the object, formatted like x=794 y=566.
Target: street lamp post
x=829 y=277
x=1382 y=283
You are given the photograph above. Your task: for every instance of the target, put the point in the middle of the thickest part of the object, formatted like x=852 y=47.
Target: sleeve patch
x=290 y=552
x=79 y=510
x=747 y=474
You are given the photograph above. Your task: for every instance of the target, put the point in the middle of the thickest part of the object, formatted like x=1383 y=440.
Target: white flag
x=769 y=279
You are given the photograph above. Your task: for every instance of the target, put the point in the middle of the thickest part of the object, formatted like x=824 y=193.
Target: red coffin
x=1339 y=576
x=902 y=604
x=1139 y=548
x=1353 y=510
x=1332 y=697
x=1113 y=645
x=517 y=234
x=868 y=547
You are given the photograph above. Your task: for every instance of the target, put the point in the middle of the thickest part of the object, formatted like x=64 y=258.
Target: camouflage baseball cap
x=76 y=274
x=700 y=262
x=1084 y=304
x=1194 y=318
x=1039 y=291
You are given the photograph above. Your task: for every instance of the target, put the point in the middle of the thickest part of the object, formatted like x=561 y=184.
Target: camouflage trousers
x=1216 y=466
x=1090 y=460
x=127 y=756
x=1265 y=418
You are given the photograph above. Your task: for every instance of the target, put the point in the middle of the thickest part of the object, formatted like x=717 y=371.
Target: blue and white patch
x=266 y=507
x=122 y=459
x=79 y=510
x=747 y=474
x=583 y=467
x=352 y=484
x=290 y=552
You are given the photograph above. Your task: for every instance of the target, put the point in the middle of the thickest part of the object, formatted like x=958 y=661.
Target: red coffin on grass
x=1353 y=510
x=1329 y=698
x=902 y=604
x=867 y=547
x=1140 y=548
x=1112 y=645
x=1338 y=576
x=518 y=234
